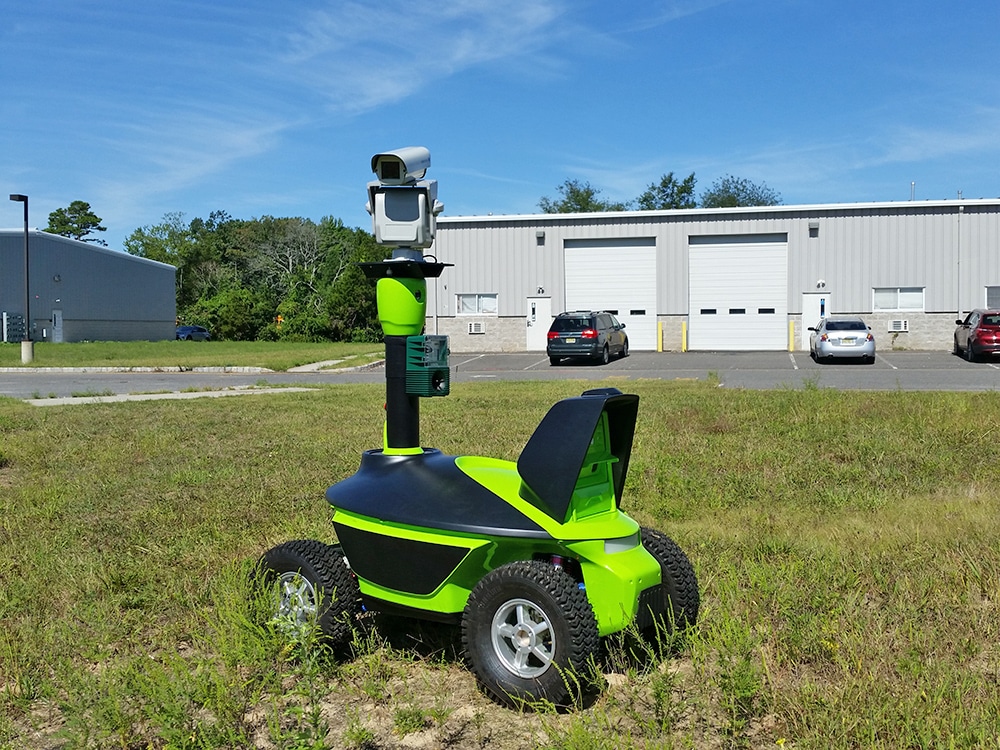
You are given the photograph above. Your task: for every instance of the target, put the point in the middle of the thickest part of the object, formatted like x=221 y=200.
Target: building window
x=898 y=298
x=993 y=297
x=477 y=304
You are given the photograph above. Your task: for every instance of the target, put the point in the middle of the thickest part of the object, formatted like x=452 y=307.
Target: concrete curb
x=315 y=367
x=121 y=398
x=179 y=368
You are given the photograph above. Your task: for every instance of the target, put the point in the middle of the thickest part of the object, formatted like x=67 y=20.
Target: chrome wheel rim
x=297 y=606
x=523 y=638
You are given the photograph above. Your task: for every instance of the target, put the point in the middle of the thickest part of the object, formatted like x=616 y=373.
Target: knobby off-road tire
x=530 y=635
x=312 y=583
x=678 y=581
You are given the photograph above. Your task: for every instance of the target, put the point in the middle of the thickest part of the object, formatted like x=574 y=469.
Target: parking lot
x=892 y=370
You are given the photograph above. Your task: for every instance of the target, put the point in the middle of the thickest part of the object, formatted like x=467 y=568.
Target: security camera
x=403 y=166
x=404 y=206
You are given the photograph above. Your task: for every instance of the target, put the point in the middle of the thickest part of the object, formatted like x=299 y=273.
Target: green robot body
x=534 y=558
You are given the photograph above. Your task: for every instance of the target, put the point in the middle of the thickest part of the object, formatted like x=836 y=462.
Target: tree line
x=668 y=193
x=256 y=279
x=274 y=278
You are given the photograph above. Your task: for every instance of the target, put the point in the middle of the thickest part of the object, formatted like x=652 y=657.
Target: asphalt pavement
x=893 y=370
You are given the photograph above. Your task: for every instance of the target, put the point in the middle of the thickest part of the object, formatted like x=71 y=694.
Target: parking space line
x=467 y=361
x=879 y=356
x=791 y=356
x=535 y=364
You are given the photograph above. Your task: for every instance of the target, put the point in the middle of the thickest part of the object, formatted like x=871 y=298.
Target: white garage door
x=738 y=293
x=620 y=278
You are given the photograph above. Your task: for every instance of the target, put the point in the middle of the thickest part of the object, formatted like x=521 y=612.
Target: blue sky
x=257 y=108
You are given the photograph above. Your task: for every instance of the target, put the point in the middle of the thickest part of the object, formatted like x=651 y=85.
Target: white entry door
x=57 y=327
x=539 y=320
x=815 y=307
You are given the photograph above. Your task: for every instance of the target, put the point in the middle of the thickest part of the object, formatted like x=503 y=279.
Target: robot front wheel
x=313 y=587
x=530 y=635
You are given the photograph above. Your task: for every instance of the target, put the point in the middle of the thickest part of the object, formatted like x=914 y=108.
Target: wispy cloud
x=668 y=11
x=364 y=55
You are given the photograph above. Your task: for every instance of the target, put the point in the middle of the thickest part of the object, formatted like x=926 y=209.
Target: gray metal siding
x=104 y=294
x=858 y=247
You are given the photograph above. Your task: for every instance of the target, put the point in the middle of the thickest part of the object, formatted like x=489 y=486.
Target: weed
x=409 y=719
x=356 y=736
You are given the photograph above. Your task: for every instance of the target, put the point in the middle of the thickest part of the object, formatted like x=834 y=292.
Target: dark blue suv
x=586 y=334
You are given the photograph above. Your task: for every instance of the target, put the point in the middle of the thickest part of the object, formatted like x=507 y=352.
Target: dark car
x=586 y=334
x=193 y=333
x=978 y=334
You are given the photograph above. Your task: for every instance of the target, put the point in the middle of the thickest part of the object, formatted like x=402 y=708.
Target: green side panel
x=452 y=594
x=402 y=304
x=614 y=579
x=604 y=520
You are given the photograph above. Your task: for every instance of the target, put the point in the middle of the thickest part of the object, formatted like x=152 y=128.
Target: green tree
x=237 y=276
x=350 y=295
x=171 y=241
x=669 y=194
x=77 y=221
x=730 y=192
x=577 y=198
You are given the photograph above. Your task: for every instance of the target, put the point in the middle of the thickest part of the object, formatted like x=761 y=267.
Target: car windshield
x=845 y=325
x=567 y=325
x=991 y=321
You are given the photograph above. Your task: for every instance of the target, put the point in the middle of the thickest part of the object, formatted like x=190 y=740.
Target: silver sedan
x=842 y=337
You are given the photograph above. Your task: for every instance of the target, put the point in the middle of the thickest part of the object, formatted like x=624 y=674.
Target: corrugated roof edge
x=35 y=232
x=793 y=208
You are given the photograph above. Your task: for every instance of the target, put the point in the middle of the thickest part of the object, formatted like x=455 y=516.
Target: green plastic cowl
x=402 y=305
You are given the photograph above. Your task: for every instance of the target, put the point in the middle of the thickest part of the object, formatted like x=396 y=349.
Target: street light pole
x=27 y=345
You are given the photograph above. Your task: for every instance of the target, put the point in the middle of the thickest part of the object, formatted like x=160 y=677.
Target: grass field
x=274 y=355
x=847 y=546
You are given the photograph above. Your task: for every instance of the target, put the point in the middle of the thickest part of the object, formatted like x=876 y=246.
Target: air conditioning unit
x=477 y=327
x=899 y=326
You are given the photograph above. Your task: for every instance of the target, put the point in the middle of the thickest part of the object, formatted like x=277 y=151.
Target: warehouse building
x=81 y=292
x=719 y=279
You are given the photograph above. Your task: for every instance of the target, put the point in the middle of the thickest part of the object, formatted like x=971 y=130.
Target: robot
x=533 y=558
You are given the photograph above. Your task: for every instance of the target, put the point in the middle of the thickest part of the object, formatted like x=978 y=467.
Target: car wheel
x=553 y=361
x=605 y=355
x=954 y=348
x=624 y=352
x=970 y=355
x=529 y=634
x=313 y=586
x=678 y=584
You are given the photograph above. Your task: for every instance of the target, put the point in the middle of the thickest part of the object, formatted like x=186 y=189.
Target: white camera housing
x=403 y=206
x=403 y=166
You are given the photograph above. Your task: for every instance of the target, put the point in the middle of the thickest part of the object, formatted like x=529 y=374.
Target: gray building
x=83 y=292
x=719 y=279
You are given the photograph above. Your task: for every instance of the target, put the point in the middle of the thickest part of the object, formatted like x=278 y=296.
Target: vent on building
x=477 y=327
x=899 y=326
